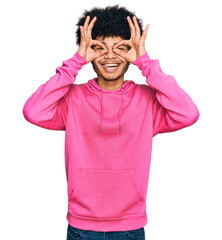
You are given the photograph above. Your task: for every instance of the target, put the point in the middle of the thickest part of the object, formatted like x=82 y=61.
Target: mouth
x=110 y=67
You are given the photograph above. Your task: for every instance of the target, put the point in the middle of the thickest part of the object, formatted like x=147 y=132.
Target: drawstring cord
x=101 y=111
x=119 y=114
x=121 y=107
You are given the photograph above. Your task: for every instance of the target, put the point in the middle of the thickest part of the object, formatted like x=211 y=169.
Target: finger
x=101 y=53
x=89 y=30
x=145 y=31
x=86 y=21
x=82 y=33
x=85 y=26
x=119 y=52
x=138 y=33
x=96 y=42
x=132 y=28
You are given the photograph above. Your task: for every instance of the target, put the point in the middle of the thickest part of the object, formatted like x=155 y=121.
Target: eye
x=97 y=48
x=122 y=48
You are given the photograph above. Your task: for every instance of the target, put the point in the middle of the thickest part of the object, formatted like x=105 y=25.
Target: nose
x=110 y=54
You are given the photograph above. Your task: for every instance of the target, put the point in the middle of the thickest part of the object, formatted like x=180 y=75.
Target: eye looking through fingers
x=123 y=47
x=97 y=47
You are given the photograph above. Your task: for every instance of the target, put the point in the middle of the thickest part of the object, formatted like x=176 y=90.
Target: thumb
x=101 y=53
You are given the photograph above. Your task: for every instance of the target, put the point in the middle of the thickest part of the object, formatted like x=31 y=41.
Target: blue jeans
x=79 y=234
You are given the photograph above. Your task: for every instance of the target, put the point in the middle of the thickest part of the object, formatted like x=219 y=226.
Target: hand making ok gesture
x=85 y=48
x=136 y=42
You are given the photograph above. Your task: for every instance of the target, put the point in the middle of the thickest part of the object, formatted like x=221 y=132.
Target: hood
x=124 y=89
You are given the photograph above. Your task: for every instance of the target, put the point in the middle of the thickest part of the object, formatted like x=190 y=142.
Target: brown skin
x=110 y=80
x=111 y=50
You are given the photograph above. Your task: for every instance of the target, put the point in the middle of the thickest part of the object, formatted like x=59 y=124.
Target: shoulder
x=75 y=90
x=145 y=89
x=75 y=87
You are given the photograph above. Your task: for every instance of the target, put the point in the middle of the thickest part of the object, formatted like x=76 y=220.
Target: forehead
x=109 y=40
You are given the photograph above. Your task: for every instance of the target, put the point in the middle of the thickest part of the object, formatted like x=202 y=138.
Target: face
x=110 y=66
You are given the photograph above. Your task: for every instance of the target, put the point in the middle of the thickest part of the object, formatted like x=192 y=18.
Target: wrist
x=81 y=53
x=141 y=52
x=145 y=57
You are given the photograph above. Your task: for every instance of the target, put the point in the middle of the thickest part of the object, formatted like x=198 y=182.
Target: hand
x=136 y=42
x=85 y=48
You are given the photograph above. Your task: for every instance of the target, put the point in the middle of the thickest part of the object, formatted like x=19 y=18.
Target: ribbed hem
x=126 y=223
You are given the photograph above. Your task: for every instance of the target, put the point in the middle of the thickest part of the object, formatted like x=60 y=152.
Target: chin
x=111 y=77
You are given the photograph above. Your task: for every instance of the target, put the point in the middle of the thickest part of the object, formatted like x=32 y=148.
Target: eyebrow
x=113 y=44
x=116 y=43
x=128 y=47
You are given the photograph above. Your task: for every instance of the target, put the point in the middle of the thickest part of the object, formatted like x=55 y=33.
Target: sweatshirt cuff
x=141 y=59
x=81 y=59
x=143 y=63
x=74 y=64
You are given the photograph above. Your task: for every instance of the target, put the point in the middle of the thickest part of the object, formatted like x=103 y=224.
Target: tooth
x=111 y=67
x=115 y=65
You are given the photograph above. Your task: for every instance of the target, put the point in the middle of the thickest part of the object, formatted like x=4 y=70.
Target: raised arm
x=172 y=107
x=48 y=106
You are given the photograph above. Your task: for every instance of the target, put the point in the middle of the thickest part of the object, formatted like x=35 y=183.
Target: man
x=109 y=123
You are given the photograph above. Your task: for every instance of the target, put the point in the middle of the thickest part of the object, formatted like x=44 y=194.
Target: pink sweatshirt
x=108 y=139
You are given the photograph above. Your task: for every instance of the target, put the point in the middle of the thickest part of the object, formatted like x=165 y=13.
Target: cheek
x=122 y=59
x=95 y=66
x=125 y=63
x=95 y=63
x=126 y=67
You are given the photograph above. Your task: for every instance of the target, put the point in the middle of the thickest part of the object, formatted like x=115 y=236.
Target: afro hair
x=111 y=22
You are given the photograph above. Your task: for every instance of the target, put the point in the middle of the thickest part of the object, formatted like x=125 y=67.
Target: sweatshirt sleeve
x=47 y=107
x=172 y=107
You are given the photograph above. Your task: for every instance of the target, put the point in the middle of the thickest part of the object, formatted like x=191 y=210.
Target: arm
x=48 y=106
x=172 y=108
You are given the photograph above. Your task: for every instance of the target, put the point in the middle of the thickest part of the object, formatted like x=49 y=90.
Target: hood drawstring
x=119 y=115
x=121 y=107
x=101 y=111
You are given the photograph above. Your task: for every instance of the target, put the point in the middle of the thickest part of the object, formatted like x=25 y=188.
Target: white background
x=184 y=192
